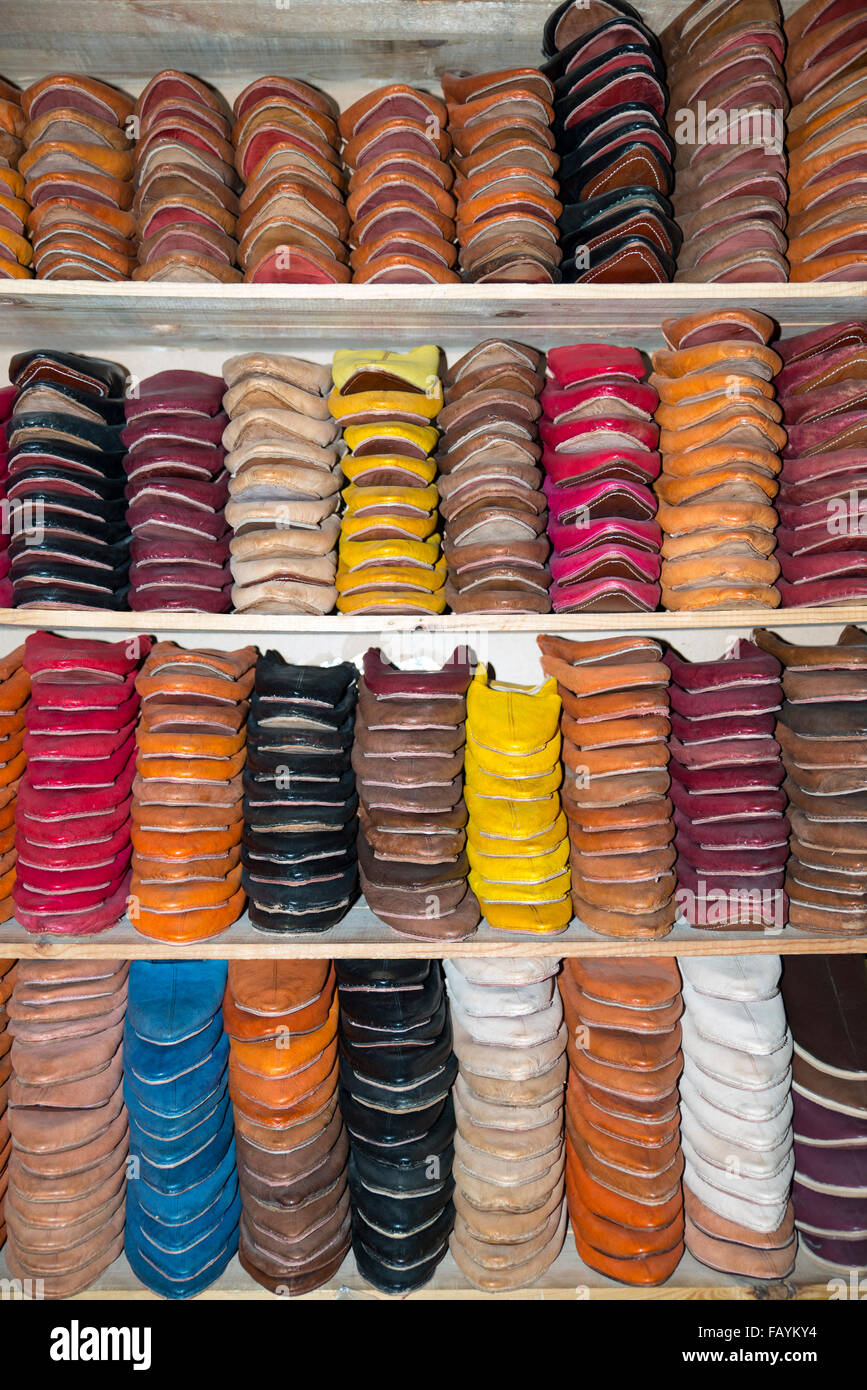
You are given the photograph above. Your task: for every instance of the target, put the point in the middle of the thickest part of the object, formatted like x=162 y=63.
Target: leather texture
x=736 y=1118
x=8 y=975
x=16 y=251
x=616 y=782
x=623 y=1160
x=14 y=696
x=280 y=1018
x=299 y=852
x=408 y=759
x=284 y=485
x=396 y=1072
x=725 y=779
x=505 y=194
x=68 y=545
x=177 y=495
x=400 y=209
x=491 y=498
x=389 y=552
x=719 y=444
x=516 y=839
x=824 y=1003
x=73 y=835
x=616 y=156
x=825 y=68
x=186 y=187
x=600 y=458
x=819 y=735
x=186 y=810
x=64 y=1204
x=293 y=225
x=75 y=153
x=821 y=547
x=183 y=1210
x=503 y=1239
x=729 y=103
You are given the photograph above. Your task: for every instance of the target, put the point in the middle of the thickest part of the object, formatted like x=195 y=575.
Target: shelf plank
x=568 y=1280
x=406 y=40
x=113 y=316
x=361 y=934
x=237 y=624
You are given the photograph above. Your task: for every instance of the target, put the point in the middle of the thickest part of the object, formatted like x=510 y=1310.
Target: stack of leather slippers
x=293 y=224
x=623 y=1158
x=720 y=439
x=397 y=148
x=736 y=1116
x=601 y=460
x=821 y=732
x=390 y=559
x=299 y=853
x=187 y=803
x=727 y=111
x=491 y=497
x=507 y=197
x=65 y=1199
x=73 y=809
x=14 y=694
x=186 y=201
x=396 y=1072
x=70 y=541
x=826 y=67
x=8 y=969
x=408 y=758
x=281 y=1020
x=616 y=782
x=732 y=836
x=7 y=401
x=177 y=489
x=78 y=166
x=616 y=155
x=284 y=486
x=510 y=1217
x=16 y=252
x=517 y=843
x=183 y=1206
x=825 y=1004
x=822 y=547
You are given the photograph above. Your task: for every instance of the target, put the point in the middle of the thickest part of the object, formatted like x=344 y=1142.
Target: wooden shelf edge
x=568 y=1280
x=115 y=317
x=438 y=296
x=60 y=619
x=363 y=935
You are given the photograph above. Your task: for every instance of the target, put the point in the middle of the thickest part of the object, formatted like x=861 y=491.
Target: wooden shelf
x=362 y=934
x=396 y=40
x=568 y=1280
x=238 y=624
x=112 y=317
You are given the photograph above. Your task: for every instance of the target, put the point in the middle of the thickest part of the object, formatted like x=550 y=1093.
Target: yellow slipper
x=358 y=555
x=503 y=869
x=540 y=843
x=422 y=500
x=420 y=440
x=514 y=820
x=380 y=601
x=367 y=465
x=406 y=407
x=515 y=765
x=542 y=919
x=360 y=368
x=514 y=718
